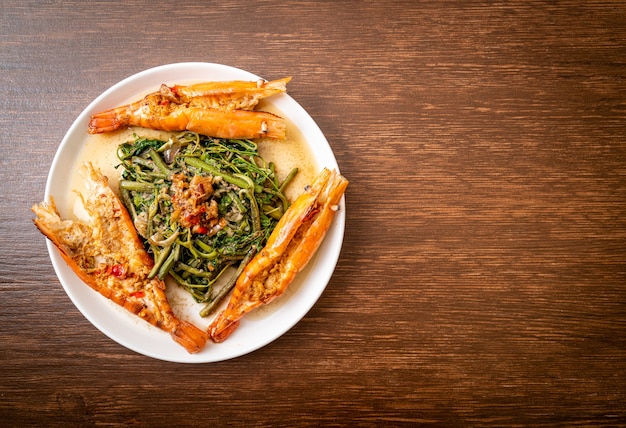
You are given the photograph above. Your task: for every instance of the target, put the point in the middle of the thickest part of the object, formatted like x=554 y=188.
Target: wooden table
x=483 y=275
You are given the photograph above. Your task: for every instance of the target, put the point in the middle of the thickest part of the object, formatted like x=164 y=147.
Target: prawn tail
x=189 y=336
x=109 y=120
x=222 y=327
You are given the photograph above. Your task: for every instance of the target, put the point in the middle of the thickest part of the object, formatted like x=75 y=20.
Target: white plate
x=256 y=330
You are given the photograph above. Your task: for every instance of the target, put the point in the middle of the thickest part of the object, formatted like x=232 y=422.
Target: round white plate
x=257 y=329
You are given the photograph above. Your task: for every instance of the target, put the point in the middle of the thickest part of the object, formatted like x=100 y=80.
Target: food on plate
x=108 y=255
x=202 y=206
x=233 y=95
x=217 y=109
x=289 y=248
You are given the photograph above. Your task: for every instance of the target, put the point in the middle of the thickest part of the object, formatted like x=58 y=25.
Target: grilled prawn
x=108 y=255
x=216 y=109
x=289 y=248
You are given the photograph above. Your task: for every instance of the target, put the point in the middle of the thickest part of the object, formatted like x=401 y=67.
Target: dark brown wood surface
x=482 y=279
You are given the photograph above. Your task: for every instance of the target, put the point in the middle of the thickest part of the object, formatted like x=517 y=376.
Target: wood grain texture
x=483 y=275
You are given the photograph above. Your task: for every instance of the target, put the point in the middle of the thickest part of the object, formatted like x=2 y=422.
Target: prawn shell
x=238 y=87
x=236 y=124
x=234 y=95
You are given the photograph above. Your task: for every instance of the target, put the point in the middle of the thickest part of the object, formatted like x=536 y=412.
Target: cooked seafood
x=217 y=109
x=234 y=95
x=291 y=245
x=108 y=255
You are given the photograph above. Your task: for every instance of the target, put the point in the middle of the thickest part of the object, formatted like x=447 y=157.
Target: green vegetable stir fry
x=202 y=205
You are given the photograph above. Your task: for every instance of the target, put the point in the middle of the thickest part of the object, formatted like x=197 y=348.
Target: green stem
x=137 y=186
x=158 y=161
x=163 y=255
x=212 y=305
x=232 y=179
